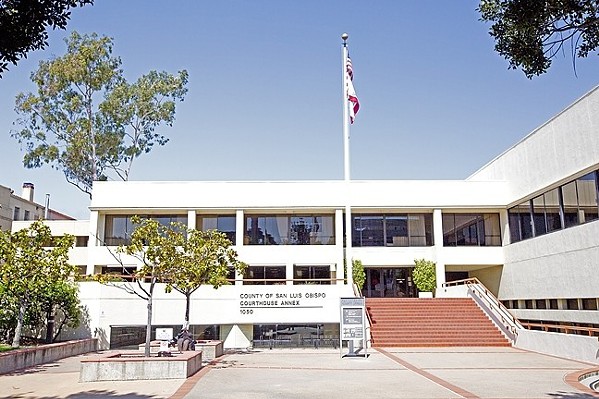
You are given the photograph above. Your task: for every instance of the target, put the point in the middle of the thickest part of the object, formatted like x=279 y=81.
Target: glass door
x=393 y=282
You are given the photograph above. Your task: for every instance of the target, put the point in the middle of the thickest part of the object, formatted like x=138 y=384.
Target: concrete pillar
x=505 y=227
x=191 y=219
x=438 y=239
x=239 y=235
x=339 y=244
x=96 y=233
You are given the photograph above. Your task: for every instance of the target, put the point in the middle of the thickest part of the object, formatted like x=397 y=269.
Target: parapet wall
x=22 y=358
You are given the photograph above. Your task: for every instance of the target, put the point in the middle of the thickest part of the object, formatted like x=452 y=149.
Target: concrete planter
x=28 y=357
x=210 y=349
x=425 y=294
x=130 y=365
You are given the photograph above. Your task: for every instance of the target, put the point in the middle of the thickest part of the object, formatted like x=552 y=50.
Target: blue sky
x=264 y=100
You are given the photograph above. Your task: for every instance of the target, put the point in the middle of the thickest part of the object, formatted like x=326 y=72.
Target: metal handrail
x=494 y=304
x=358 y=293
x=567 y=329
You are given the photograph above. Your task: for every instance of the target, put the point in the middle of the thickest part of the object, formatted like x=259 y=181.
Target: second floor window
x=290 y=230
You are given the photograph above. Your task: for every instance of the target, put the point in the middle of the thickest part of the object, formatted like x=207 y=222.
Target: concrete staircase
x=410 y=322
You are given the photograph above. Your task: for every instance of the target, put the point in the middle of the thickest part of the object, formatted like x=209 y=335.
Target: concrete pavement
x=489 y=373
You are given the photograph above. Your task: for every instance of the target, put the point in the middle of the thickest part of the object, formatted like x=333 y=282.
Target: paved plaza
x=505 y=373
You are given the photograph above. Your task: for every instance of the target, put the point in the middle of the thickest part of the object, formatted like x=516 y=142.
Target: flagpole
x=346 y=176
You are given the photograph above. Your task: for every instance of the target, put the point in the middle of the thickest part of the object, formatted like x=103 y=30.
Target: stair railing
x=368 y=328
x=492 y=306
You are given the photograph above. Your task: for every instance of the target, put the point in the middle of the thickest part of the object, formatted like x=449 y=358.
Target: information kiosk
x=353 y=327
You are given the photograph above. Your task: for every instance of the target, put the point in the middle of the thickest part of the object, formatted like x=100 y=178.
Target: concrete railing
x=27 y=357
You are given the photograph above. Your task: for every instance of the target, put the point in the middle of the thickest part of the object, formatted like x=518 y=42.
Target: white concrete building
x=526 y=225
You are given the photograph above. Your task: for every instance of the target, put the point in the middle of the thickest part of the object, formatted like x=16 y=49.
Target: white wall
x=228 y=305
x=575 y=347
x=287 y=196
x=562 y=264
x=562 y=147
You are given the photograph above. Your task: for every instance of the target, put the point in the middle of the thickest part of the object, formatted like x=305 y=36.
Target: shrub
x=424 y=275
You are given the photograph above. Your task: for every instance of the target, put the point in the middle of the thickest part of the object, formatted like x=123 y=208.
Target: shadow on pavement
x=88 y=394
x=572 y=395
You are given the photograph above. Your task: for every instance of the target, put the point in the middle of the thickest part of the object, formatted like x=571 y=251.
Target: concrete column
x=239 y=227
x=95 y=235
x=505 y=227
x=339 y=243
x=289 y=273
x=438 y=238
x=239 y=234
x=191 y=219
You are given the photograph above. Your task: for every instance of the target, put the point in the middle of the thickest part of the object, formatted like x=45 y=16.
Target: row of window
x=565 y=206
x=274 y=275
x=17 y=214
x=395 y=230
x=256 y=275
x=368 y=230
x=554 y=304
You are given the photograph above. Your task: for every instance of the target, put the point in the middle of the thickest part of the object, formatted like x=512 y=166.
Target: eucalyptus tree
x=86 y=120
x=29 y=269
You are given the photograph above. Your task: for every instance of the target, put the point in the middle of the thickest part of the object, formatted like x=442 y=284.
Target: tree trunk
x=187 y=306
x=50 y=325
x=149 y=322
x=16 y=341
x=59 y=330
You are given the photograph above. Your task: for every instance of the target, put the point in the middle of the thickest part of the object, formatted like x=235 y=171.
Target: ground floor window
x=311 y=274
x=265 y=275
x=296 y=335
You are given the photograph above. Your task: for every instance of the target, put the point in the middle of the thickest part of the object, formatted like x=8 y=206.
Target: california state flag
x=354 y=104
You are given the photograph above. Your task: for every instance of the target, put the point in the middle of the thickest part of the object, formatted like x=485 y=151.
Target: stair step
x=436 y=322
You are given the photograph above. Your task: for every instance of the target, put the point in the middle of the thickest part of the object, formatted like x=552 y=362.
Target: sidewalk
x=431 y=373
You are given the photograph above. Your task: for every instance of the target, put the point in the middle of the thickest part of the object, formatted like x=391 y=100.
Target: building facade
x=526 y=225
x=23 y=207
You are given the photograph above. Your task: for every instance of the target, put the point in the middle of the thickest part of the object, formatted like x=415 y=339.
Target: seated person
x=184 y=340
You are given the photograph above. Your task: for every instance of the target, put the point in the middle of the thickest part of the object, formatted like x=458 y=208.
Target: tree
x=424 y=275
x=359 y=275
x=86 y=120
x=60 y=307
x=23 y=25
x=529 y=33
x=28 y=269
x=204 y=257
x=182 y=259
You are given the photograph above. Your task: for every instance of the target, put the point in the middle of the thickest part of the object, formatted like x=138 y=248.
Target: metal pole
x=47 y=207
x=346 y=176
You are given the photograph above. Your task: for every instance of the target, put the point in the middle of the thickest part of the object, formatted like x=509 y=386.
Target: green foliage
x=23 y=25
x=204 y=257
x=424 y=275
x=358 y=273
x=30 y=273
x=529 y=33
x=86 y=120
x=182 y=259
x=5 y=348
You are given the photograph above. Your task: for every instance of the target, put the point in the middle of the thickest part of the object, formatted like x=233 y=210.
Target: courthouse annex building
x=526 y=225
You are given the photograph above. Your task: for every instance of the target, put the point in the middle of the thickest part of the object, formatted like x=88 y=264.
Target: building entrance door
x=389 y=283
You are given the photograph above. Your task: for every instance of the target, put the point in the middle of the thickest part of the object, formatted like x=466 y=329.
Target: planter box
x=210 y=349
x=28 y=357
x=425 y=294
x=130 y=365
